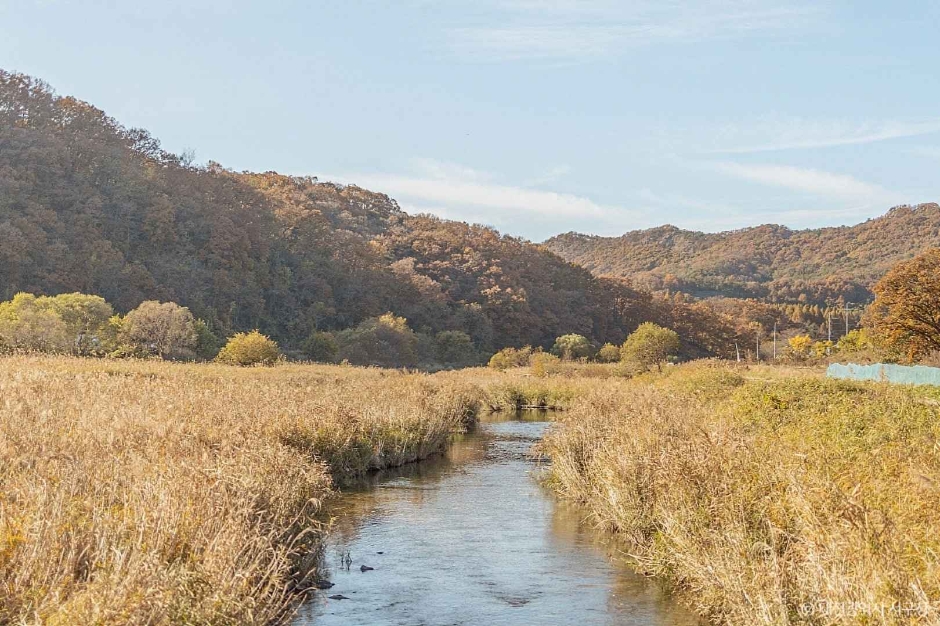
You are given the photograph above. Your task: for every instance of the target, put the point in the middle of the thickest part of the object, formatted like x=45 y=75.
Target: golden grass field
x=158 y=493
x=770 y=496
x=138 y=492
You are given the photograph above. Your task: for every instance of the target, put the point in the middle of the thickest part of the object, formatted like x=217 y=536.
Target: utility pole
x=775 y=341
x=847 y=305
x=757 y=354
x=737 y=351
x=828 y=348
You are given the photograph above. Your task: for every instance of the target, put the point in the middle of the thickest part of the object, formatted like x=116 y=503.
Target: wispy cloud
x=486 y=195
x=457 y=192
x=775 y=133
x=563 y=30
x=718 y=215
x=805 y=180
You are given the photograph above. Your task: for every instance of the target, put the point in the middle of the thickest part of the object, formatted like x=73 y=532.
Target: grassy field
x=770 y=496
x=156 y=493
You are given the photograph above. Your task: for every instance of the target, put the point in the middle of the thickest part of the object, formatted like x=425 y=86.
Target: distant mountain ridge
x=89 y=205
x=768 y=262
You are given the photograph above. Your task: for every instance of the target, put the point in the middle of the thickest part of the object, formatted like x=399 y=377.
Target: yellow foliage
x=800 y=345
x=249 y=349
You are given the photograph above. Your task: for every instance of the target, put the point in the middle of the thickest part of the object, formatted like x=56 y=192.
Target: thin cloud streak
x=577 y=31
x=441 y=187
x=485 y=195
x=804 y=180
x=777 y=134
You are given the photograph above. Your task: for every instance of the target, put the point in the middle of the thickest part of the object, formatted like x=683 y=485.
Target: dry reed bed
x=152 y=493
x=791 y=501
x=518 y=388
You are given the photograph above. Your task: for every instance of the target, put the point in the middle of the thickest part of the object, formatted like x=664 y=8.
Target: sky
x=533 y=116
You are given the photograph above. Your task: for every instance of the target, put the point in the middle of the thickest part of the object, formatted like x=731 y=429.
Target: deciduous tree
x=572 y=346
x=906 y=312
x=649 y=345
x=164 y=329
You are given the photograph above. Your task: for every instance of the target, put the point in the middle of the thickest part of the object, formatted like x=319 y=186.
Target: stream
x=473 y=538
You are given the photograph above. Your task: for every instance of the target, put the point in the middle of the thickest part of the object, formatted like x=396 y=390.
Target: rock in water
x=366 y=568
x=339 y=596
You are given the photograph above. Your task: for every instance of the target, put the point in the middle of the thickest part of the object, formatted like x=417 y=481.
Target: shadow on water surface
x=472 y=538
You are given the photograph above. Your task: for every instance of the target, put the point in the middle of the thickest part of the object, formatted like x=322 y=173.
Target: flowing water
x=472 y=538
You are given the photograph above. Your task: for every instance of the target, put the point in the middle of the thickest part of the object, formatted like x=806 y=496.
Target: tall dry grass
x=769 y=498
x=155 y=493
x=517 y=388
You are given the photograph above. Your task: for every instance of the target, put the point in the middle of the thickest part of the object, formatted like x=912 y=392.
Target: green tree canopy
x=572 y=346
x=385 y=340
x=455 y=347
x=649 y=345
x=321 y=346
x=28 y=323
x=85 y=318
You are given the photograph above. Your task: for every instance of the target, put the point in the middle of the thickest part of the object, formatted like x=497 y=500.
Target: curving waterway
x=472 y=538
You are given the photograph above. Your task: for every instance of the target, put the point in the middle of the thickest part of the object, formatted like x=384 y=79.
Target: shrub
x=857 y=340
x=609 y=353
x=248 y=349
x=386 y=341
x=510 y=357
x=650 y=345
x=800 y=346
x=572 y=347
x=544 y=364
x=822 y=348
x=321 y=346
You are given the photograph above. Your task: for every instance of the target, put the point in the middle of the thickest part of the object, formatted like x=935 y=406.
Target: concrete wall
x=903 y=374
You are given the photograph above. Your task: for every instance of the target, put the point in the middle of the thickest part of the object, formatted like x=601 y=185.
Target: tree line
x=900 y=324
x=90 y=206
x=770 y=263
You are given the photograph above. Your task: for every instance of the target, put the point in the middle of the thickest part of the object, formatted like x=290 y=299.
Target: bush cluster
x=649 y=345
x=248 y=349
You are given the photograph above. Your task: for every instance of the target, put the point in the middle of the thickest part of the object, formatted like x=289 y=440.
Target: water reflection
x=472 y=538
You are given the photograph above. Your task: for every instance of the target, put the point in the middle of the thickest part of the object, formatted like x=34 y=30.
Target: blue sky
x=535 y=116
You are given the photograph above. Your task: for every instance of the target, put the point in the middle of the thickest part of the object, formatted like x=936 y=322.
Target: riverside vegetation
x=153 y=492
x=771 y=497
x=158 y=493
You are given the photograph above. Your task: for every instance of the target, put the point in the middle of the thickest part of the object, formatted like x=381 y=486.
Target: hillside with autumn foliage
x=771 y=263
x=87 y=205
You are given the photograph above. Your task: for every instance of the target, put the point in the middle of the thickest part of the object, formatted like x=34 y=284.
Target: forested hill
x=89 y=205
x=768 y=262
